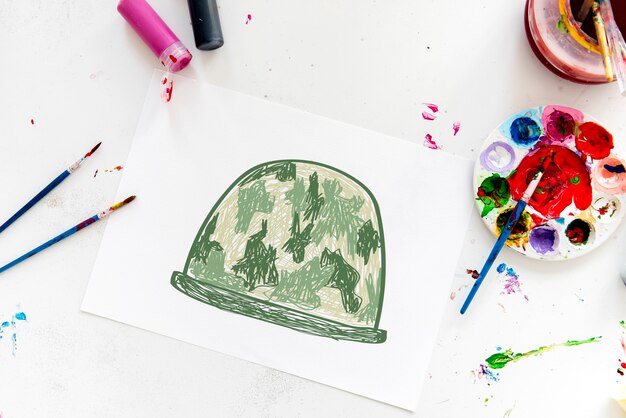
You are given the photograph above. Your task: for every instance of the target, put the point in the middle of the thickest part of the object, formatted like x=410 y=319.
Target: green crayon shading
x=499 y=360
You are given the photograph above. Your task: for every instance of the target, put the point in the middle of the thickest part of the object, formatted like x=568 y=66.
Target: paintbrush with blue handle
x=54 y=183
x=506 y=231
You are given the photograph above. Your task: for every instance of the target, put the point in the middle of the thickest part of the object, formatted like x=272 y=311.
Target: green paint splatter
x=344 y=278
x=369 y=311
x=299 y=240
x=560 y=25
x=297 y=195
x=301 y=287
x=258 y=262
x=314 y=199
x=251 y=200
x=367 y=242
x=339 y=216
x=574 y=180
x=284 y=171
x=494 y=192
x=501 y=359
x=622 y=324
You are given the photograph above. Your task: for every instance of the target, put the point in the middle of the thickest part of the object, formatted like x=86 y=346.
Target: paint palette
x=580 y=198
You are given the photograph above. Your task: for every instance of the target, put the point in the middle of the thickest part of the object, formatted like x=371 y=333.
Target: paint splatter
x=473 y=273
x=501 y=359
x=433 y=107
x=32 y=122
x=95 y=174
x=508 y=413
x=455 y=127
x=249 y=18
x=428 y=116
x=430 y=143
x=511 y=280
x=166 y=94
x=484 y=372
x=10 y=328
x=116 y=168
x=502 y=306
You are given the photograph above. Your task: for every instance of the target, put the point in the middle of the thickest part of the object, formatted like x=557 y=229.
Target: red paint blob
x=593 y=140
x=173 y=58
x=32 y=121
x=564 y=181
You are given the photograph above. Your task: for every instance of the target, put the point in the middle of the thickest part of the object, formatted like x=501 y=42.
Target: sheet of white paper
x=186 y=153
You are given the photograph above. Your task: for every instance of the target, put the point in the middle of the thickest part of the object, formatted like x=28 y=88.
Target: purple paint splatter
x=430 y=143
x=433 y=107
x=484 y=372
x=511 y=280
x=455 y=127
x=428 y=116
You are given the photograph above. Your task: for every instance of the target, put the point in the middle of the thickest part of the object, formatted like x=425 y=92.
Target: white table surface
x=79 y=71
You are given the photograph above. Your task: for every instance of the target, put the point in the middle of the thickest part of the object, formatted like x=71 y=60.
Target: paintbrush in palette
x=506 y=231
x=615 y=42
x=95 y=218
x=54 y=183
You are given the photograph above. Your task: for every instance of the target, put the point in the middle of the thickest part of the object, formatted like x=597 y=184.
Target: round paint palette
x=580 y=198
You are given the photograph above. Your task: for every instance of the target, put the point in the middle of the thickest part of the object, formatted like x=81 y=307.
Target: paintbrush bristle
x=93 y=149
x=122 y=203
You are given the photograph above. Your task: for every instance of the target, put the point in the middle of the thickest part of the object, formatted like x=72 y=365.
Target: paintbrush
x=598 y=22
x=506 y=231
x=54 y=183
x=584 y=10
x=615 y=44
x=72 y=230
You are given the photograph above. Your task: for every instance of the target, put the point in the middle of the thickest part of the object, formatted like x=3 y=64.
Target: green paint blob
x=344 y=278
x=367 y=242
x=258 y=261
x=494 y=192
x=251 y=200
x=574 y=180
x=501 y=359
x=299 y=240
x=560 y=25
x=622 y=324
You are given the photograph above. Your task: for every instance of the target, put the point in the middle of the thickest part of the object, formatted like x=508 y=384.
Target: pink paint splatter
x=455 y=127
x=433 y=107
x=511 y=280
x=166 y=95
x=429 y=143
x=249 y=18
x=116 y=168
x=428 y=116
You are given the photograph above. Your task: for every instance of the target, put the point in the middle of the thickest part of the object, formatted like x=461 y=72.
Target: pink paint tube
x=155 y=33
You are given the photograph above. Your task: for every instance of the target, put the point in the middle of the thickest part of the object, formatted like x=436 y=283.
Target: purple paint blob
x=498 y=157
x=544 y=239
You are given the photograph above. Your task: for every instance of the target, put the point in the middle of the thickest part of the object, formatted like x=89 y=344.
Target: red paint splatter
x=564 y=181
x=173 y=58
x=428 y=116
x=167 y=93
x=473 y=273
x=164 y=80
x=593 y=140
x=116 y=168
x=95 y=174
x=32 y=121
x=249 y=18
x=433 y=107
x=455 y=127
x=429 y=143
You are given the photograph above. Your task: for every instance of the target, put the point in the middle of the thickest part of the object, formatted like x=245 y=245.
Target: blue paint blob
x=501 y=268
x=20 y=316
x=616 y=169
x=560 y=221
x=525 y=131
x=6 y=324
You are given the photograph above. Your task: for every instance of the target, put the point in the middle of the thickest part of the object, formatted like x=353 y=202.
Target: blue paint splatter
x=525 y=131
x=20 y=316
x=616 y=169
x=6 y=324
x=11 y=329
x=560 y=221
